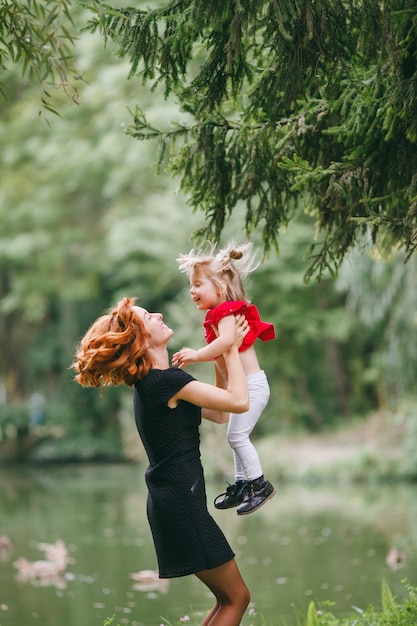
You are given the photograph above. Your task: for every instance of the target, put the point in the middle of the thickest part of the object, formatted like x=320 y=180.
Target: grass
x=394 y=612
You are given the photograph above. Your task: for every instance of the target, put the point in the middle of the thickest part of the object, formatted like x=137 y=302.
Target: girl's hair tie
x=235 y=255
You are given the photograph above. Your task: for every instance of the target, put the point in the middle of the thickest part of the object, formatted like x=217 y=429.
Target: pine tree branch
x=297 y=106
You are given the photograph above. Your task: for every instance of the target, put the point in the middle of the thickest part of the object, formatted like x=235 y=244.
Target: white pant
x=247 y=463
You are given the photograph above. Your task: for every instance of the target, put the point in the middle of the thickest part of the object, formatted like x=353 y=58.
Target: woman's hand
x=241 y=330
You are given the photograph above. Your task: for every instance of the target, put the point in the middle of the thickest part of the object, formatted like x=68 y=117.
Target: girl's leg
x=240 y=427
x=257 y=489
x=231 y=593
x=247 y=464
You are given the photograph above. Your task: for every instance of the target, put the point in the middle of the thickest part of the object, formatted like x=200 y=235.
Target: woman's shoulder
x=170 y=373
x=163 y=382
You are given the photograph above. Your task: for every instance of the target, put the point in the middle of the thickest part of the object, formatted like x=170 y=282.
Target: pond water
x=321 y=543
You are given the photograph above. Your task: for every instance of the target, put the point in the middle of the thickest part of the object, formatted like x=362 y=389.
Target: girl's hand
x=183 y=357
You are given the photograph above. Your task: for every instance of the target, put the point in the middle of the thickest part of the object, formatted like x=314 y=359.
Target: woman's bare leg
x=206 y=621
x=231 y=593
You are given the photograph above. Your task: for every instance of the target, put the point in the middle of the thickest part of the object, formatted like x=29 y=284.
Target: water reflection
x=148 y=580
x=332 y=543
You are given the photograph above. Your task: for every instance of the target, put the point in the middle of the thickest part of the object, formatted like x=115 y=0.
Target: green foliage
x=306 y=104
x=394 y=612
x=381 y=294
x=38 y=36
x=13 y=419
x=312 y=617
x=387 y=597
x=84 y=221
x=405 y=416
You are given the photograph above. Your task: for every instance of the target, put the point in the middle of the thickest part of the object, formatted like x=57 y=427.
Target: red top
x=257 y=328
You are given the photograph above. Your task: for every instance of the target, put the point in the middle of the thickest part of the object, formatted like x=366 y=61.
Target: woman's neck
x=160 y=358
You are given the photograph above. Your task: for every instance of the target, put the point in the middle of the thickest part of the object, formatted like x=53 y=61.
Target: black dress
x=187 y=539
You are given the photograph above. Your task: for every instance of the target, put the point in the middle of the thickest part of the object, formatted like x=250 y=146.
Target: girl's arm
x=224 y=341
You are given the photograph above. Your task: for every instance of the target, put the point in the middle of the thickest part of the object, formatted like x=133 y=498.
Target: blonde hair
x=231 y=265
x=114 y=349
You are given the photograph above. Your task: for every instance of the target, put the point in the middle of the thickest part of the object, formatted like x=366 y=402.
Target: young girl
x=128 y=345
x=217 y=287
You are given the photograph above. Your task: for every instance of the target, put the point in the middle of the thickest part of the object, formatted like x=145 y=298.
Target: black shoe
x=258 y=491
x=234 y=495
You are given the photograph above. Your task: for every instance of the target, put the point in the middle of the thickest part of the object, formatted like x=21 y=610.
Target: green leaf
x=387 y=598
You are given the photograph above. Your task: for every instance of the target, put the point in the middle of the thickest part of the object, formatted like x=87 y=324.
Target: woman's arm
x=223 y=342
x=214 y=399
x=220 y=417
x=234 y=398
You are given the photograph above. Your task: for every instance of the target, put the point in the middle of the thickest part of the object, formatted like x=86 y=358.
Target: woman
x=128 y=345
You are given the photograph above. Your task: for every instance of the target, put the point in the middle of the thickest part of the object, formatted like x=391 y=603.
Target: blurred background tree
x=86 y=218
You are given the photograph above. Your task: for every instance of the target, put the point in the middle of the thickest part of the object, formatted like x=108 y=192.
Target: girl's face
x=204 y=292
x=154 y=325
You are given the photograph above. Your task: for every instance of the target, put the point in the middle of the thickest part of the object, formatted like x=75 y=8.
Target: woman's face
x=154 y=325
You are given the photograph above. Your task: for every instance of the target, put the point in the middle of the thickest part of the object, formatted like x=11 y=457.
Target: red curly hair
x=114 y=349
